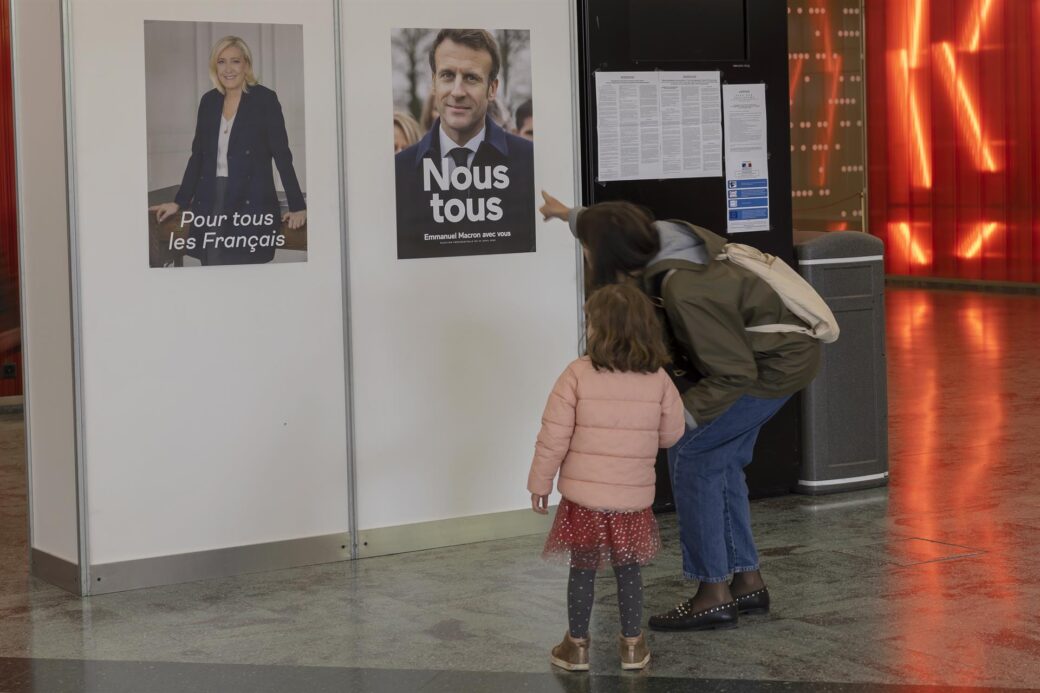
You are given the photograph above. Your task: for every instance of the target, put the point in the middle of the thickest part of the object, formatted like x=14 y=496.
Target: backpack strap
x=681 y=372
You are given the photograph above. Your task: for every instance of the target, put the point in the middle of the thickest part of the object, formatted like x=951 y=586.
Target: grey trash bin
x=845 y=409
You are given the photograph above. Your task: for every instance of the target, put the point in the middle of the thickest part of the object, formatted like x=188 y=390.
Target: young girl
x=606 y=417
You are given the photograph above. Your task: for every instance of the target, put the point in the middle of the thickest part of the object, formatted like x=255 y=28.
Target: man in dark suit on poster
x=467 y=187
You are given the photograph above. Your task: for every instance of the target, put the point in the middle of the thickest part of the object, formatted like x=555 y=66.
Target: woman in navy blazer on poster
x=239 y=131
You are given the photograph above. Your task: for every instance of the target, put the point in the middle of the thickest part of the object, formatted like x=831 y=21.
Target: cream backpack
x=796 y=293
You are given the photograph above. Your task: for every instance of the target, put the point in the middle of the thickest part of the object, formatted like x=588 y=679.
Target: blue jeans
x=711 y=494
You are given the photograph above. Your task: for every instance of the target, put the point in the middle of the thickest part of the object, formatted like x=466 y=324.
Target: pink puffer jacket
x=601 y=431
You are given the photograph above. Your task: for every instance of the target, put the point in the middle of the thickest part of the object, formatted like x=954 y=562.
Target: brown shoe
x=571 y=654
x=634 y=651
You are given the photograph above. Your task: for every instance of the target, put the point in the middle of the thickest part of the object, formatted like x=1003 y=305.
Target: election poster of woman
x=226 y=161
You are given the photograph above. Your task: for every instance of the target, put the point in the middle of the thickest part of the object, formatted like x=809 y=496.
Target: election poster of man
x=463 y=127
x=226 y=160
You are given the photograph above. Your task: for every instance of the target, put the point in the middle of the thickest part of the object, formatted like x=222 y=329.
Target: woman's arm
x=193 y=170
x=554 y=209
x=278 y=142
x=711 y=333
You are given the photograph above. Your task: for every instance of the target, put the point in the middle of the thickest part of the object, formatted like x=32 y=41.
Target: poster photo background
x=177 y=76
x=415 y=112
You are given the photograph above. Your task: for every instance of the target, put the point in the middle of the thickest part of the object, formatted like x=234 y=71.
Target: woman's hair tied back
x=620 y=238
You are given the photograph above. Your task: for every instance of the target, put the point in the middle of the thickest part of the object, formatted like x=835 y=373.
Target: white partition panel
x=453 y=357
x=46 y=313
x=213 y=398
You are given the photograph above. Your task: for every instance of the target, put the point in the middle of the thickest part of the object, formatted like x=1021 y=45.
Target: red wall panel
x=952 y=118
x=8 y=210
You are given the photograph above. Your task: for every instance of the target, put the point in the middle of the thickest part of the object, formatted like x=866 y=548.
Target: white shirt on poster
x=447 y=144
x=222 y=145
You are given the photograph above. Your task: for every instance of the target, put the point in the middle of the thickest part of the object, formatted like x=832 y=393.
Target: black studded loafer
x=683 y=617
x=753 y=603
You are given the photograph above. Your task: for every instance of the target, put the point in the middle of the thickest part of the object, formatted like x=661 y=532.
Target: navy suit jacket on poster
x=512 y=233
x=257 y=138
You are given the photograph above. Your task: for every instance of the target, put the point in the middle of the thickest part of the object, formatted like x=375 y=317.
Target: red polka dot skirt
x=590 y=539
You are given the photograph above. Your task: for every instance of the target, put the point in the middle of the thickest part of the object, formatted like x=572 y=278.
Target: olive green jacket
x=708 y=304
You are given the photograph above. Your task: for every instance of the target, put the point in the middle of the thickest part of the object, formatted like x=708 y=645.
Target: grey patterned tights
x=582 y=588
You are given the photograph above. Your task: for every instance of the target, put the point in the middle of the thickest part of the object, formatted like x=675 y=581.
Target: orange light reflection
x=921 y=487
x=973 y=247
x=980 y=22
x=974 y=472
x=944 y=475
x=918 y=28
x=834 y=65
x=796 y=76
x=959 y=91
x=913 y=251
x=835 y=71
x=923 y=170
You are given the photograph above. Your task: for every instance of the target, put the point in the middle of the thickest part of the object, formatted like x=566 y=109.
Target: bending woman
x=731 y=381
x=239 y=131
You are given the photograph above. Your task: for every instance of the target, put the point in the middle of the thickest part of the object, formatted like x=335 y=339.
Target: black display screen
x=685 y=30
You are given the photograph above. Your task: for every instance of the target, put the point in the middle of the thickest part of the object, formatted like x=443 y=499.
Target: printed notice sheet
x=747 y=161
x=658 y=125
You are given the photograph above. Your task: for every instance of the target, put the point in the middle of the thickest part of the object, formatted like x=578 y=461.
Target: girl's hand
x=295 y=219
x=540 y=504
x=553 y=208
x=165 y=210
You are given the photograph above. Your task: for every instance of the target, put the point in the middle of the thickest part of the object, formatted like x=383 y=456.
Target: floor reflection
x=956 y=363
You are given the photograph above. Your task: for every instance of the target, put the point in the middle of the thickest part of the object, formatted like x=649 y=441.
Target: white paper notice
x=658 y=125
x=747 y=157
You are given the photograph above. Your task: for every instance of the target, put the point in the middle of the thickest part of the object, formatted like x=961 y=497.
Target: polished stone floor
x=933 y=582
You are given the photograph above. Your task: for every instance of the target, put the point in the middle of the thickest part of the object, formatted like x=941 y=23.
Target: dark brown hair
x=625 y=333
x=477 y=39
x=620 y=239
